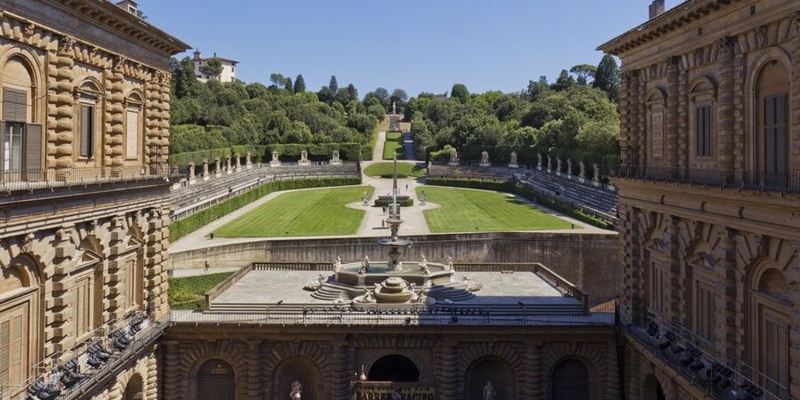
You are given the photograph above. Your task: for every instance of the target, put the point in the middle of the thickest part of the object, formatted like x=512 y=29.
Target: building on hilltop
x=84 y=119
x=228 y=73
x=710 y=197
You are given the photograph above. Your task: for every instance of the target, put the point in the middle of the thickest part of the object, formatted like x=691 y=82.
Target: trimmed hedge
x=520 y=189
x=181 y=228
x=402 y=201
x=287 y=152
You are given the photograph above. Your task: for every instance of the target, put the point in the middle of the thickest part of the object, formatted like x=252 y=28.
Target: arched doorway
x=652 y=389
x=395 y=368
x=293 y=371
x=489 y=375
x=216 y=381
x=569 y=381
x=134 y=389
x=772 y=116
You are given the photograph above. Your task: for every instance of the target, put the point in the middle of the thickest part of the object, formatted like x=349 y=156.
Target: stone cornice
x=110 y=16
x=675 y=19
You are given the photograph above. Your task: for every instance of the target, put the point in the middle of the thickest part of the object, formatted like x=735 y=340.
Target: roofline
x=219 y=58
x=111 y=16
x=685 y=13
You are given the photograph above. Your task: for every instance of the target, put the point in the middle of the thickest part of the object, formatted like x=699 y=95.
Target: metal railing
x=51 y=178
x=720 y=378
x=782 y=182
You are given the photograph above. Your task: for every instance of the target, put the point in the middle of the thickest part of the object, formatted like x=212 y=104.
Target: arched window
x=702 y=120
x=394 y=367
x=20 y=138
x=772 y=122
x=569 y=381
x=771 y=308
x=88 y=113
x=19 y=326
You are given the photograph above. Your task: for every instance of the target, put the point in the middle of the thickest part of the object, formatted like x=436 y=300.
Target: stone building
x=84 y=110
x=424 y=331
x=710 y=200
x=228 y=73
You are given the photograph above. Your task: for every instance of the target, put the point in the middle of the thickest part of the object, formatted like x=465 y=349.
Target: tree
x=277 y=79
x=536 y=89
x=333 y=85
x=564 y=81
x=460 y=92
x=299 y=84
x=383 y=95
x=212 y=69
x=182 y=76
x=288 y=85
x=607 y=77
x=400 y=95
x=583 y=73
x=326 y=95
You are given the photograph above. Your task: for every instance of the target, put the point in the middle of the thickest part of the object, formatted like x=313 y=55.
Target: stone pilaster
x=624 y=119
x=151 y=380
x=152 y=123
x=156 y=279
x=672 y=112
x=339 y=387
x=113 y=287
x=531 y=386
x=683 y=122
x=171 y=387
x=114 y=116
x=729 y=302
x=725 y=109
x=60 y=111
x=640 y=123
x=794 y=134
x=676 y=288
x=61 y=305
x=447 y=376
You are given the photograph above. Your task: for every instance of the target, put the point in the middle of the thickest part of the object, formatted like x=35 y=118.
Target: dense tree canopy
x=218 y=115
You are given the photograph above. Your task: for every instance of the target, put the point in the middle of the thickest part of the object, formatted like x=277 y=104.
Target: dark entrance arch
x=216 y=381
x=489 y=371
x=570 y=381
x=133 y=390
x=394 y=367
x=652 y=389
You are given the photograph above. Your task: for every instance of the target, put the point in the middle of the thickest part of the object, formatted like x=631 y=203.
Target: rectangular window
x=656 y=288
x=775 y=137
x=775 y=351
x=703 y=129
x=86 y=131
x=12 y=146
x=705 y=311
x=83 y=306
x=657 y=125
x=132 y=133
x=12 y=350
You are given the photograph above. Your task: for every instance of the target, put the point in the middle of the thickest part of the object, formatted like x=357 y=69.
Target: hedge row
x=183 y=227
x=287 y=152
x=524 y=191
x=403 y=202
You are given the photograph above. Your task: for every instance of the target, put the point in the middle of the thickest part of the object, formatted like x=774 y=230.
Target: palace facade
x=84 y=119
x=710 y=200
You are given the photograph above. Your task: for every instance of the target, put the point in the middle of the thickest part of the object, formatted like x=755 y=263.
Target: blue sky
x=414 y=45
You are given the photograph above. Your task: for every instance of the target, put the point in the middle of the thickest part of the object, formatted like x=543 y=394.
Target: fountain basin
x=410 y=271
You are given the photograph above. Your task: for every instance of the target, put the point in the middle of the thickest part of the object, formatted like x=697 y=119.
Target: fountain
x=391 y=281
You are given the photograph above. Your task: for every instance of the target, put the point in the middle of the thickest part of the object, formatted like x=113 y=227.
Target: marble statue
x=297 y=390
x=489 y=392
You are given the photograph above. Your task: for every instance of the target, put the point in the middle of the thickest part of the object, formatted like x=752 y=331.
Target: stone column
x=238 y=162
x=228 y=165
x=218 y=167
x=248 y=162
x=569 y=168
x=191 y=171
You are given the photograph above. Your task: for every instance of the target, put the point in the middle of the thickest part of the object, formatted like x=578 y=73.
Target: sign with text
x=395 y=393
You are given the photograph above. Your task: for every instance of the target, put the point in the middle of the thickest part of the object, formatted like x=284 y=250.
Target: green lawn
x=467 y=210
x=316 y=212
x=187 y=292
x=390 y=147
x=385 y=169
x=394 y=136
